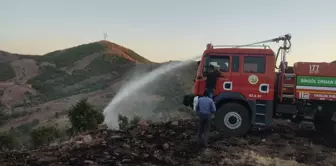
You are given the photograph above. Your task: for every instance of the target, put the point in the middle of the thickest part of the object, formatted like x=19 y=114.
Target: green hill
x=78 y=69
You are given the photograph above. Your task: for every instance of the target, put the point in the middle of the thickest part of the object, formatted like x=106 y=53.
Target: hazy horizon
x=168 y=30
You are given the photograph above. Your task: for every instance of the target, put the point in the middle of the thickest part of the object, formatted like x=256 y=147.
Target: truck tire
x=232 y=119
x=319 y=125
x=333 y=130
x=324 y=125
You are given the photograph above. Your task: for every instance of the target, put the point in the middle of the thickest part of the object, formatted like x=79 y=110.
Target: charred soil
x=173 y=143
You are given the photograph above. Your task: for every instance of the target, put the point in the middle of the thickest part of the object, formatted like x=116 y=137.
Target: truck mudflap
x=333 y=118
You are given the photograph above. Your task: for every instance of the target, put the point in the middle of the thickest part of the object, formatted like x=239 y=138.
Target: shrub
x=84 y=117
x=44 y=135
x=35 y=122
x=99 y=117
x=135 y=121
x=25 y=128
x=2 y=116
x=123 y=122
x=7 y=141
x=57 y=114
x=7 y=72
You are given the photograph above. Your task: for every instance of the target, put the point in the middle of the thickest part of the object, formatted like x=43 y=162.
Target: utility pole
x=105 y=36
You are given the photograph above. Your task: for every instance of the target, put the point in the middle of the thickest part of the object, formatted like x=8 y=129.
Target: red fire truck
x=252 y=88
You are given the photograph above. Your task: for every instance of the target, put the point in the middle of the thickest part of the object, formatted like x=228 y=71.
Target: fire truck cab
x=244 y=90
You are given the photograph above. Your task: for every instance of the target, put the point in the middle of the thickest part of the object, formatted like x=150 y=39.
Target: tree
x=84 y=117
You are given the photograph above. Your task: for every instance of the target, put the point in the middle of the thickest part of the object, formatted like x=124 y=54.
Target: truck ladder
x=287 y=86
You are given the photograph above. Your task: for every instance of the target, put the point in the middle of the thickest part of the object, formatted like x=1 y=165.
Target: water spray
x=112 y=110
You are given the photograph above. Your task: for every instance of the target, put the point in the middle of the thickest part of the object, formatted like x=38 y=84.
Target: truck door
x=223 y=64
x=256 y=77
x=230 y=75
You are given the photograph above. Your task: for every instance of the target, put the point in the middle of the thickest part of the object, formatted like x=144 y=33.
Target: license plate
x=333 y=118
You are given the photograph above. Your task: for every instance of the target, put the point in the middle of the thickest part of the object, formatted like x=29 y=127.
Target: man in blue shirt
x=205 y=107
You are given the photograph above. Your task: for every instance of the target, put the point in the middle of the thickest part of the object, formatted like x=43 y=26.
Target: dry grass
x=246 y=157
x=253 y=157
x=331 y=160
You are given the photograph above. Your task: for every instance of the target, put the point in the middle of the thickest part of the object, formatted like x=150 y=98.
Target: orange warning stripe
x=320 y=92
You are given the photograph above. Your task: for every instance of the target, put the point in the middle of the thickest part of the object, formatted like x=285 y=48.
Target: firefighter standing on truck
x=205 y=107
x=211 y=78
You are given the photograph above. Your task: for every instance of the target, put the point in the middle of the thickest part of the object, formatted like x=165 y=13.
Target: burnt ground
x=173 y=143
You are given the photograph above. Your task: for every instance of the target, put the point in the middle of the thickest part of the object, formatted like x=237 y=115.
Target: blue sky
x=168 y=30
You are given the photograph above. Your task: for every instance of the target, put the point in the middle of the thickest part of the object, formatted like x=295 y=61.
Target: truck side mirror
x=198 y=62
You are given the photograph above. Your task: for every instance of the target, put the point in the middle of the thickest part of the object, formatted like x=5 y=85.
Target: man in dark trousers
x=211 y=78
x=205 y=107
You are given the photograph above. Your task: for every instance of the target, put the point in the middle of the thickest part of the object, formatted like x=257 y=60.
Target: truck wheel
x=324 y=125
x=321 y=124
x=333 y=130
x=232 y=119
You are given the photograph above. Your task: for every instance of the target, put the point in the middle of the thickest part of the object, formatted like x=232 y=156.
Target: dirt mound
x=173 y=143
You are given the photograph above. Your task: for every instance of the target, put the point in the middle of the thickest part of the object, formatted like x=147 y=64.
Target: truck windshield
x=219 y=62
